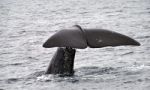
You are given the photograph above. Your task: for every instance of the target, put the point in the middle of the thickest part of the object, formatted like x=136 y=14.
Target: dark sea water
x=26 y=24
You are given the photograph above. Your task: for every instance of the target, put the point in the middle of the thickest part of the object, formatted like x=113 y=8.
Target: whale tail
x=82 y=38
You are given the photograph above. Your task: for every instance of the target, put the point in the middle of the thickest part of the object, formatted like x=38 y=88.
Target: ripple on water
x=143 y=37
x=93 y=70
x=11 y=80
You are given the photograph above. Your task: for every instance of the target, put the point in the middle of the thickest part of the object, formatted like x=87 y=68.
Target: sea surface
x=26 y=24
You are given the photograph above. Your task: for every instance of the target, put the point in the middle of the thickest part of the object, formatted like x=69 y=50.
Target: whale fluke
x=82 y=38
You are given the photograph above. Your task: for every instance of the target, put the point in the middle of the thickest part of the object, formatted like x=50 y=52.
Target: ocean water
x=26 y=24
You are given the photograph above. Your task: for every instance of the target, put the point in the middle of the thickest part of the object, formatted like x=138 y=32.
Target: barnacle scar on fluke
x=68 y=40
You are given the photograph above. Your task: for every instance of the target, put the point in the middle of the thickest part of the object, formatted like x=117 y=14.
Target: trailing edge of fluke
x=83 y=38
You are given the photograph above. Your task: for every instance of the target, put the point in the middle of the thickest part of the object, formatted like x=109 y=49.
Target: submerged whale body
x=83 y=38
